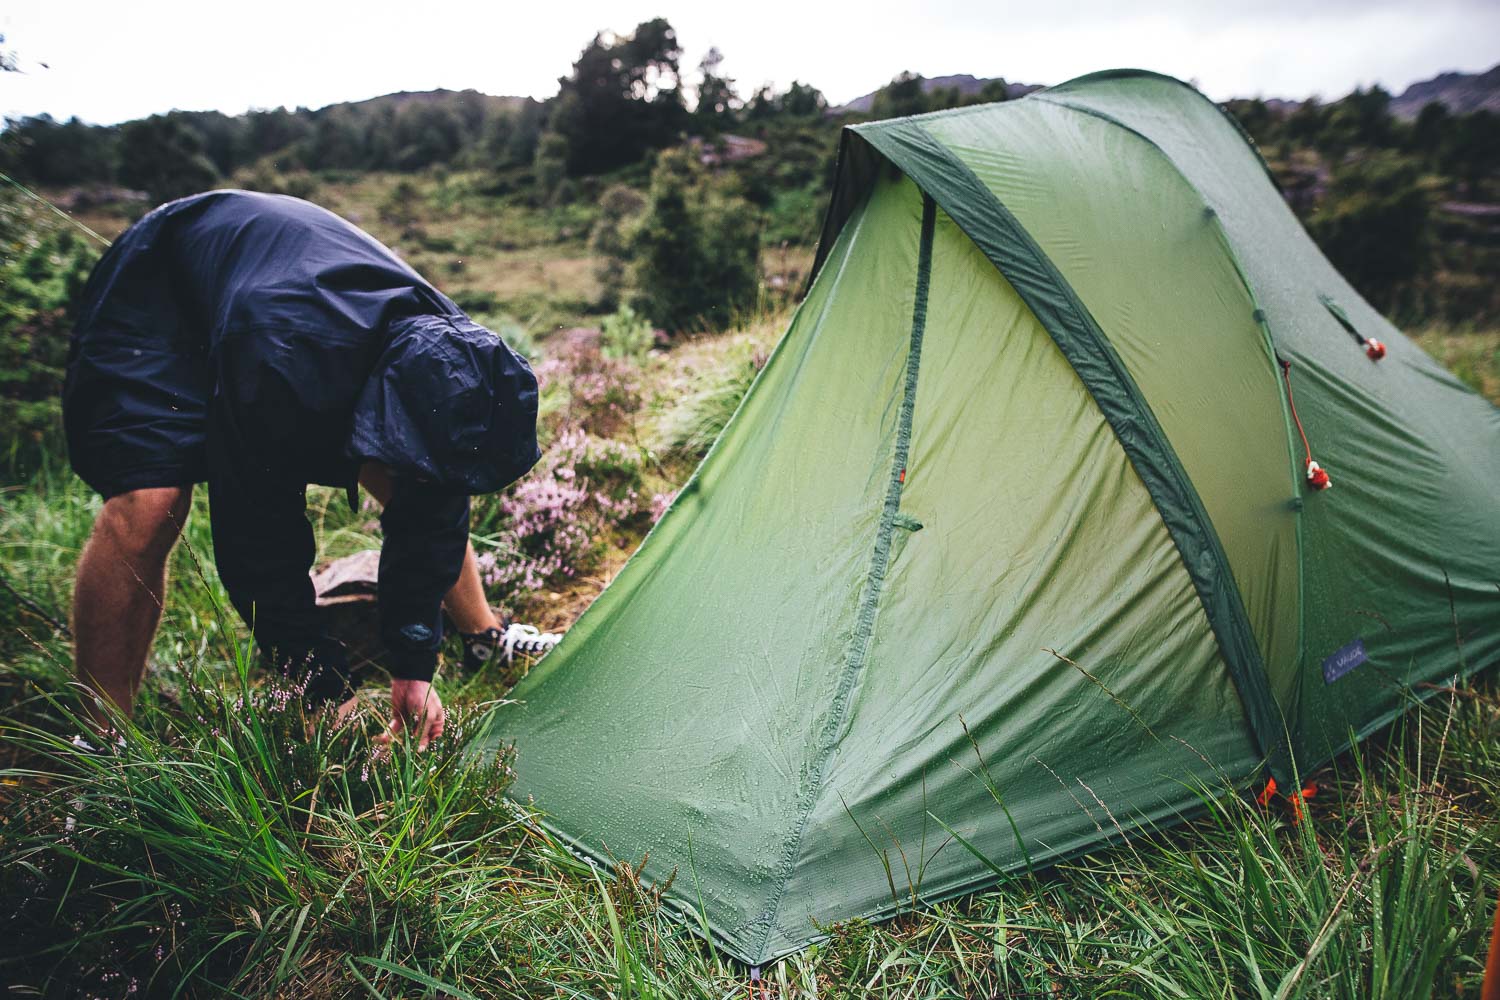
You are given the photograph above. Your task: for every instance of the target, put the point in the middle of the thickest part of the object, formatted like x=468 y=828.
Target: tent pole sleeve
x=835 y=722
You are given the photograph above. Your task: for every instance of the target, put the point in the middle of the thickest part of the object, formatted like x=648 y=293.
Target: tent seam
x=864 y=627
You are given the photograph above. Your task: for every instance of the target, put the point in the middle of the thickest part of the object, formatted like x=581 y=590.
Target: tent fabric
x=1403 y=554
x=1008 y=549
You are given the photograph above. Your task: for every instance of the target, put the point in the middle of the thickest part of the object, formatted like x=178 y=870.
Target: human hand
x=415 y=705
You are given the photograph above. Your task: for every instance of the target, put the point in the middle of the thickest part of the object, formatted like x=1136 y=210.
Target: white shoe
x=527 y=639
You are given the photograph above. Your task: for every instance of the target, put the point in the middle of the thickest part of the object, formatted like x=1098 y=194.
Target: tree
x=763 y=104
x=1431 y=128
x=45 y=151
x=802 y=100
x=609 y=242
x=993 y=92
x=525 y=133
x=338 y=141
x=1255 y=117
x=1374 y=225
x=1361 y=120
x=696 y=252
x=623 y=99
x=163 y=156
x=1472 y=149
x=274 y=130
x=550 y=164
x=1306 y=124
x=717 y=101
x=903 y=96
x=426 y=133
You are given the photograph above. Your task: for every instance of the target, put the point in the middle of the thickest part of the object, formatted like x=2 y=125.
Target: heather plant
x=581 y=388
x=553 y=524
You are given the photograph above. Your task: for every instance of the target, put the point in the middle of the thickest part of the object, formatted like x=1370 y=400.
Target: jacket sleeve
x=426 y=534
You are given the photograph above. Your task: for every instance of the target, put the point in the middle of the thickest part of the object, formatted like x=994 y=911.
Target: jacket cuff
x=413 y=664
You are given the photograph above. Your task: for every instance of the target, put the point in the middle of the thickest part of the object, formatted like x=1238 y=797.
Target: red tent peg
x=1374 y=349
x=1317 y=477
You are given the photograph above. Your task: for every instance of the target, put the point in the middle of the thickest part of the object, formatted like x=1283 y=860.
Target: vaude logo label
x=1344 y=660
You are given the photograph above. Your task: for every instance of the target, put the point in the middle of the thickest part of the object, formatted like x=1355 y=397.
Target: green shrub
x=619 y=208
x=42 y=272
x=626 y=335
x=1374 y=225
x=696 y=252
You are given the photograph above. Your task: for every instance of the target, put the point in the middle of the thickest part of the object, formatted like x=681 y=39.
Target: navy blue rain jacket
x=296 y=348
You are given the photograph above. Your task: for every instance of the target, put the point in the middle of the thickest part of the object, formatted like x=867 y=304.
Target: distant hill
x=1461 y=92
x=402 y=98
x=1280 y=106
x=967 y=85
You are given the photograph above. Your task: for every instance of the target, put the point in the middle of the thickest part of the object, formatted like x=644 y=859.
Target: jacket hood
x=449 y=402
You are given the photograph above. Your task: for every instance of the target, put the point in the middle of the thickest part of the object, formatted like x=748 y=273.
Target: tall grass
x=232 y=846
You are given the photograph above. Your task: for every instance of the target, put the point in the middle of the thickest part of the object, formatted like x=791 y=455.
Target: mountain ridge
x=1461 y=93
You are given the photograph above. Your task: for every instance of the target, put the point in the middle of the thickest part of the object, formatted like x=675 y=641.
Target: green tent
x=1023 y=482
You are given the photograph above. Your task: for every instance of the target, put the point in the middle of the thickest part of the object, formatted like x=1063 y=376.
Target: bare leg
x=465 y=603
x=122 y=582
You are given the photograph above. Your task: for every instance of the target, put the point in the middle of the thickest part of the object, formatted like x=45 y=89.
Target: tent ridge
x=1049 y=95
x=1015 y=254
x=864 y=628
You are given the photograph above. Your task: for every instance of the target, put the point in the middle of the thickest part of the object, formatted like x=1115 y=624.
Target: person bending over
x=259 y=343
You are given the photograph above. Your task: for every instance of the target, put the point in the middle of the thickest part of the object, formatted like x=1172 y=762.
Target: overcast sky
x=111 y=60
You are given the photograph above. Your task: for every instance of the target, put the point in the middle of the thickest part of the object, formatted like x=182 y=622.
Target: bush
x=1374 y=226
x=626 y=335
x=696 y=251
x=42 y=272
x=297 y=183
x=619 y=208
x=164 y=157
x=549 y=166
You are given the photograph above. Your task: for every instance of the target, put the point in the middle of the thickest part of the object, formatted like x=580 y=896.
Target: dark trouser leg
x=264 y=547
